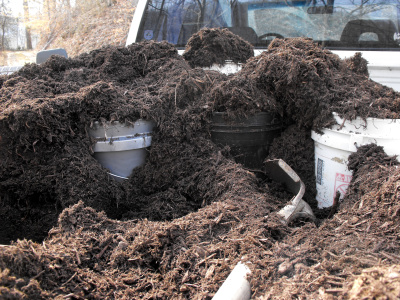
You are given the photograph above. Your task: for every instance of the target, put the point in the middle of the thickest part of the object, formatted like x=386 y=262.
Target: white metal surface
x=383 y=66
x=137 y=16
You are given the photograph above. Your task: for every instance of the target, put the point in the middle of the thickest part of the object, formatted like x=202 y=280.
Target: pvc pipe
x=236 y=286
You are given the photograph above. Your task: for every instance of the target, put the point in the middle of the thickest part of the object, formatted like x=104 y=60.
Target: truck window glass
x=336 y=24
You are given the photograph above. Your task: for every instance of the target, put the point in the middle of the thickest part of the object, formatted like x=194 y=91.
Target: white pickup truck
x=343 y=26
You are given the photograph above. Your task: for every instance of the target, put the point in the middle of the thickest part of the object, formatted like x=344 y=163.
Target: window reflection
x=333 y=23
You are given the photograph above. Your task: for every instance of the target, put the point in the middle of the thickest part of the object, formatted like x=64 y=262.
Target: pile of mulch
x=310 y=83
x=327 y=262
x=214 y=46
x=376 y=283
x=46 y=111
x=305 y=84
x=91 y=256
x=181 y=222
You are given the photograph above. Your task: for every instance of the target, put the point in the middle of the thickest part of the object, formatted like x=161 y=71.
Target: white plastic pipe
x=236 y=286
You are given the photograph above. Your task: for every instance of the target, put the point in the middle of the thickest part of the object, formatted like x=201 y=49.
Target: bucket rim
x=123 y=144
x=117 y=177
x=256 y=119
x=116 y=129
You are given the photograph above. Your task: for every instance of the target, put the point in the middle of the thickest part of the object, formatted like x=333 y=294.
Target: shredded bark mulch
x=180 y=223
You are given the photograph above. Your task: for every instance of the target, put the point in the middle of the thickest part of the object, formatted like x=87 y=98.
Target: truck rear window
x=337 y=24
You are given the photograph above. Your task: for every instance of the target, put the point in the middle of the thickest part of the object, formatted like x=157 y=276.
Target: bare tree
x=27 y=26
x=67 y=3
x=49 y=9
x=4 y=22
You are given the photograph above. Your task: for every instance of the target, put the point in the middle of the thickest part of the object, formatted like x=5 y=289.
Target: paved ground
x=17 y=58
x=11 y=61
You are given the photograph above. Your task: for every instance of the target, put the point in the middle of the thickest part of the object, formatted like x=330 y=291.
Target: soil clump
x=181 y=222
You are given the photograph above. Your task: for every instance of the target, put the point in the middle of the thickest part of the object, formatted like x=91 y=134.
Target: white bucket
x=228 y=68
x=333 y=148
x=121 y=147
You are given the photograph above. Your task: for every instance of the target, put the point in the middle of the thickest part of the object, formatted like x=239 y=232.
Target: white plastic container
x=333 y=148
x=121 y=147
x=228 y=68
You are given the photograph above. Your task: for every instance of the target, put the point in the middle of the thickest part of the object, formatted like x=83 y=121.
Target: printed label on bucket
x=331 y=176
x=320 y=170
x=342 y=182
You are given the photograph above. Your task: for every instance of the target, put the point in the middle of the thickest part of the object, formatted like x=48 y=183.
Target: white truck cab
x=343 y=26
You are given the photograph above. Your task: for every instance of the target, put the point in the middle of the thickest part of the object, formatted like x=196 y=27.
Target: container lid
x=116 y=129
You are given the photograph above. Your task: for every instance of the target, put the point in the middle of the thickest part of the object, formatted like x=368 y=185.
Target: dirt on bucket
x=181 y=222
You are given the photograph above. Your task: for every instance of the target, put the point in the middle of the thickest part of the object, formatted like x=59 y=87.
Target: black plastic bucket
x=248 y=138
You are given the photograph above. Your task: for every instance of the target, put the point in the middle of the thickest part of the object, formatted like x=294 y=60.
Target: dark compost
x=181 y=222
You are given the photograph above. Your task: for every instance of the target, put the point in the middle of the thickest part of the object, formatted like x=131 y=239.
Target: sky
x=16 y=7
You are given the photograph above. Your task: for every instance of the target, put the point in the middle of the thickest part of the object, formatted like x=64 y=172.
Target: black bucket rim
x=254 y=120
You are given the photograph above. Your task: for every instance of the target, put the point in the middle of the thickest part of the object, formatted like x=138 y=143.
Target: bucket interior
x=249 y=139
